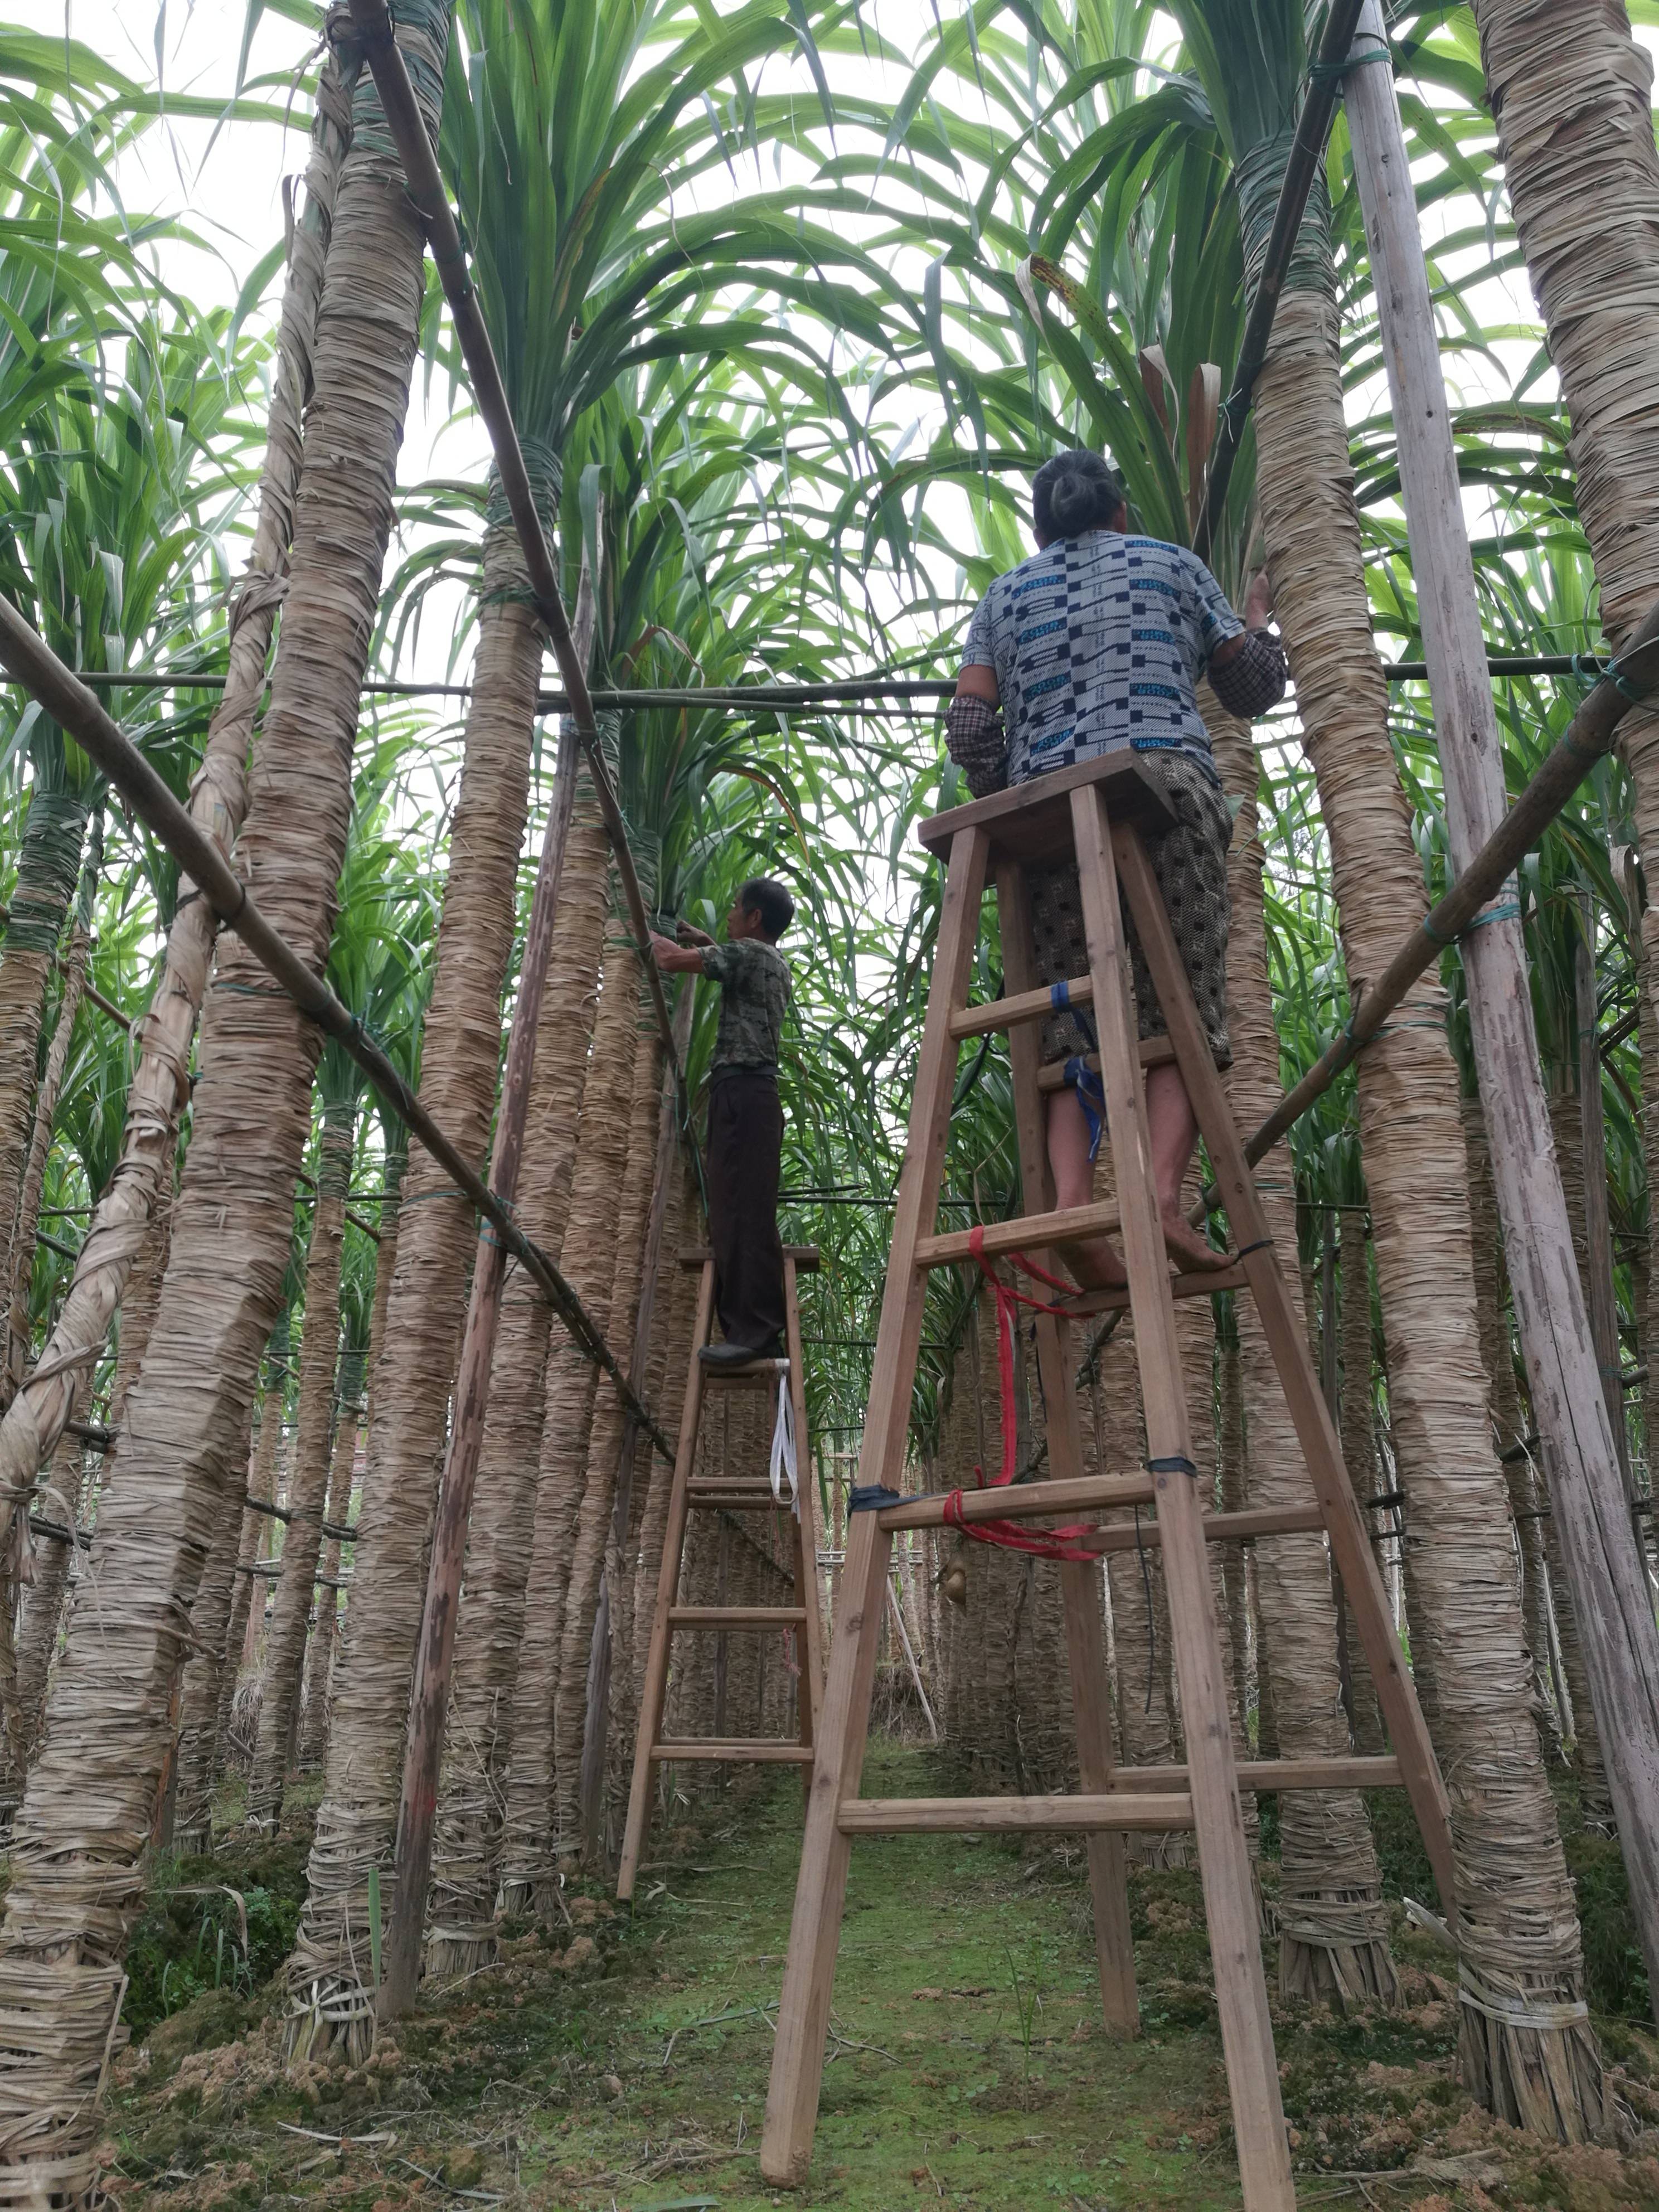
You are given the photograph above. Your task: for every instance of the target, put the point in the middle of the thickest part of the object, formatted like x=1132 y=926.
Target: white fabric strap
x=783 y=1447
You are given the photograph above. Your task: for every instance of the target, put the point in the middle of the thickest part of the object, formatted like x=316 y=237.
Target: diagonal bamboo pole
x=33 y=664
x=1313 y=127
x=1606 y=1570
x=373 y=26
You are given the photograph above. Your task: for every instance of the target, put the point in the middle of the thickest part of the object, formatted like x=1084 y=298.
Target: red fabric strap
x=1009 y=1535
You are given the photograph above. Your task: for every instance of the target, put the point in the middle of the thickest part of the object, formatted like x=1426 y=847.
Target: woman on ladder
x=1098 y=642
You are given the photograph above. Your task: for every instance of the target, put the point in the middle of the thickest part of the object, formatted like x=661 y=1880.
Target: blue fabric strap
x=1091 y=1097
x=871 y=1498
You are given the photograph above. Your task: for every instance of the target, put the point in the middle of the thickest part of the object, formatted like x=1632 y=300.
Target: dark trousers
x=745 y=1149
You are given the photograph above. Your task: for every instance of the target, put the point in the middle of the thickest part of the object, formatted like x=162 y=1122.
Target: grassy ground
x=616 y=2067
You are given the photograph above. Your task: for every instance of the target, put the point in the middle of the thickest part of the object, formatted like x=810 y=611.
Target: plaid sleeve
x=1253 y=680
x=974 y=737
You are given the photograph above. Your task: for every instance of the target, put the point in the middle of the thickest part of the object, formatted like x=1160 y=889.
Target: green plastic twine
x=48 y=863
x=1258 y=178
x=422 y=31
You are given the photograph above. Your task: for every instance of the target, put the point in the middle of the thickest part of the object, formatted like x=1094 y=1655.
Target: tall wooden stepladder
x=690 y=1493
x=1097 y=810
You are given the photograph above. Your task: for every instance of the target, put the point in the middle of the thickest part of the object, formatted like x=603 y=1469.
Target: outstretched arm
x=674 y=959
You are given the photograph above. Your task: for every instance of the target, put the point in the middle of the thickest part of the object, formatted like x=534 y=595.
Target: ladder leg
x=1080 y=1592
x=1320 y=1450
x=804 y=1527
x=654 y=1689
x=791 y=2102
x=1230 y=1906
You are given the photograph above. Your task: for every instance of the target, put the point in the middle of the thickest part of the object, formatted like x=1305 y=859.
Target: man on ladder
x=1097 y=643
x=745 y=1118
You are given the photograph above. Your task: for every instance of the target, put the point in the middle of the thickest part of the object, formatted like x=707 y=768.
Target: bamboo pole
x=372 y=22
x=893 y=694
x=1313 y=127
x=33 y=664
x=434 y=1658
x=1606 y=1575
x=1598 y=1229
x=1586 y=739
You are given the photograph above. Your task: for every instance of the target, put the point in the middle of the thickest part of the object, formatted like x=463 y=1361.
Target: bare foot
x=1097 y=1265
x=1190 y=1253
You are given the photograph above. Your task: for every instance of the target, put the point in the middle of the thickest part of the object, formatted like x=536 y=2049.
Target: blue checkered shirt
x=1099 y=641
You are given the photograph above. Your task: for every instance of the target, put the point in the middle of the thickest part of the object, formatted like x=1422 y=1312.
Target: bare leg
x=1172 y=1127
x=1096 y=1264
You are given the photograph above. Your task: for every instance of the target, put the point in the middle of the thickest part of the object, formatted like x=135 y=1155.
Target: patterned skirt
x=1190 y=864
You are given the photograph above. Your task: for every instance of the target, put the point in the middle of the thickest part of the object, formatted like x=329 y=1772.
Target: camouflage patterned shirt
x=754 y=980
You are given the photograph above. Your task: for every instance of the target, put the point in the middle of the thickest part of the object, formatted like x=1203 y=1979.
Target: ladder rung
x=903 y=1816
x=747 y=1501
x=764 y=1751
x=1018 y=1006
x=1024 y=1501
x=736 y=1616
x=752 y=1370
x=1382 y=1773
x=805 y=1256
x=1025 y=1232
x=1204 y=1283
x=1151 y=1052
x=1219 y=1528
x=751 y=1485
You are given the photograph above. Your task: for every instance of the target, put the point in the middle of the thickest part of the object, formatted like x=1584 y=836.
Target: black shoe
x=738 y=1355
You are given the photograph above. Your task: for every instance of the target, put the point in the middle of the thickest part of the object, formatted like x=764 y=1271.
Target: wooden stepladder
x=1098 y=809
x=745 y=1493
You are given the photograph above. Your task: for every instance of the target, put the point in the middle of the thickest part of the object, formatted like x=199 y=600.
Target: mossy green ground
x=623 y=2065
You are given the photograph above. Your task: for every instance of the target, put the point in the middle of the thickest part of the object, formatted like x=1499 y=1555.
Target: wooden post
x=1079 y=1585
x=1598 y=1229
x=595 y=1723
x=436 y=1656
x=1241 y=1989
x=1607 y=1579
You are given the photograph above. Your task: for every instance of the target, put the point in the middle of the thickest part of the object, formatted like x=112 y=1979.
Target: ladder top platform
x=805 y=1256
x=1033 y=822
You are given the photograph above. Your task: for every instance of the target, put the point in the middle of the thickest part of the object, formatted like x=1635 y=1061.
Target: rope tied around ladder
x=1013 y=1535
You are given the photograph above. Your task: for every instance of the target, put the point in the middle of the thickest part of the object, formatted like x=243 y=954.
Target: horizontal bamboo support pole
x=59 y=1532
x=1275 y=1774
x=950 y=1816
x=372 y=21
x=339 y=1532
x=736 y=1616
x=1024 y=1501
x=1218 y=1528
x=31 y=662
x=895 y=694
x=762 y=1752
x=1586 y=739
x=1025 y=1232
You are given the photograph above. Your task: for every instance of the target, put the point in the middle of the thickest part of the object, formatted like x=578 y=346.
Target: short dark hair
x=766 y=897
x=1074 y=492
